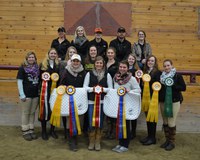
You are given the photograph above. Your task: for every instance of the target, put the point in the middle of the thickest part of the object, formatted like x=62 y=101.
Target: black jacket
x=61 y=48
x=178 y=86
x=101 y=47
x=123 y=49
x=83 y=49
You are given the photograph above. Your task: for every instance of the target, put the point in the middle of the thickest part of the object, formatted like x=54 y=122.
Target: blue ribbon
x=71 y=101
x=120 y=117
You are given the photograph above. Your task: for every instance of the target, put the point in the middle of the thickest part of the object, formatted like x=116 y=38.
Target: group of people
x=84 y=63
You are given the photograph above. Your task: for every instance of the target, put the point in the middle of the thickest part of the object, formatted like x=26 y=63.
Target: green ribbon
x=168 y=102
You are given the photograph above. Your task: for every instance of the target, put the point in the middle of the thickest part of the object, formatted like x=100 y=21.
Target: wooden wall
x=171 y=26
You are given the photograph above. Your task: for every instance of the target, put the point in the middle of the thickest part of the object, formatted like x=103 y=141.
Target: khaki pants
x=171 y=121
x=28 y=113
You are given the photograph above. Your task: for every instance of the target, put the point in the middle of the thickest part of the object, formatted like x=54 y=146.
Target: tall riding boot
x=152 y=134
x=73 y=143
x=172 y=133
x=44 y=130
x=53 y=133
x=64 y=120
x=91 y=140
x=98 y=140
x=166 y=131
x=148 y=136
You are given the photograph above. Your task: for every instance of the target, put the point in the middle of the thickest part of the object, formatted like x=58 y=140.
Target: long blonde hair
x=67 y=54
x=76 y=35
x=45 y=62
x=25 y=62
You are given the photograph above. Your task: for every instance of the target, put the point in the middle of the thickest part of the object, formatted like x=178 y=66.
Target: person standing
x=173 y=81
x=28 y=83
x=123 y=78
x=122 y=46
x=99 y=42
x=97 y=77
x=50 y=65
x=61 y=44
x=74 y=75
x=141 y=49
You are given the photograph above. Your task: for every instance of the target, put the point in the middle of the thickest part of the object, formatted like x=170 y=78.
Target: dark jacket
x=123 y=49
x=101 y=47
x=178 y=86
x=112 y=70
x=61 y=48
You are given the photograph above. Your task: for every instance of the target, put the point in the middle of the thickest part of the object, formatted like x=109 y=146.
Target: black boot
x=64 y=119
x=172 y=133
x=148 y=136
x=152 y=136
x=44 y=130
x=166 y=131
x=53 y=133
x=73 y=143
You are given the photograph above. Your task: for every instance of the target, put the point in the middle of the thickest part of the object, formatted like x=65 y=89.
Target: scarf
x=32 y=69
x=74 y=71
x=80 y=41
x=165 y=75
x=122 y=79
x=99 y=75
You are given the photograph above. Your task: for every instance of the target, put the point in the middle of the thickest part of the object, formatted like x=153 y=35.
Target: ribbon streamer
x=145 y=97
x=96 y=111
x=168 y=102
x=42 y=99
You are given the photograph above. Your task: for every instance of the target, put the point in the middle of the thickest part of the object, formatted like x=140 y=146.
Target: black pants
x=125 y=142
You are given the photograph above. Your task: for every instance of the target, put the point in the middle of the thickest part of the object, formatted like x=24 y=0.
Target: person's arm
x=109 y=83
x=179 y=83
x=22 y=96
x=86 y=83
x=135 y=87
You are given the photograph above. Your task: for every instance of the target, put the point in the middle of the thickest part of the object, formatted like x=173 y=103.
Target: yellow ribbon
x=77 y=119
x=124 y=122
x=55 y=115
x=152 y=115
x=94 y=113
x=145 y=97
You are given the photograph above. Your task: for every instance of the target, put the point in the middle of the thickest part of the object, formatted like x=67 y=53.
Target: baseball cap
x=76 y=56
x=61 y=29
x=98 y=30
x=121 y=29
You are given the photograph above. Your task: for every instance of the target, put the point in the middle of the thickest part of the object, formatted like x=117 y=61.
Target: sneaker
x=27 y=137
x=116 y=148
x=122 y=149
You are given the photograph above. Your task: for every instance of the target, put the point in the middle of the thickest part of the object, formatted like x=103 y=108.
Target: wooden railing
x=192 y=74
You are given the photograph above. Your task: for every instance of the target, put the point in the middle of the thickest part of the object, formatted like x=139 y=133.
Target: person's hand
x=143 y=61
x=23 y=99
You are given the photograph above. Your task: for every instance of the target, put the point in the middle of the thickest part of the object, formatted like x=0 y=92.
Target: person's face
x=110 y=54
x=75 y=63
x=141 y=36
x=99 y=65
x=80 y=32
x=98 y=35
x=93 y=52
x=123 y=69
x=121 y=35
x=167 y=66
x=131 y=60
x=151 y=62
x=52 y=55
x=71 y=52
x=31 y=59
x=61 y=34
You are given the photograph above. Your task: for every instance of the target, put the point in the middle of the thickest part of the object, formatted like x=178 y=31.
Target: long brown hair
x=155 y=67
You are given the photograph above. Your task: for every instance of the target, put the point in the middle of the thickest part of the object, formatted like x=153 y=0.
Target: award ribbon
x=146 y=92
x=152 y=115
x=56 y=112
x=43 y=96
x=96 y=117
x=54 y=78
x=168 y=98
x=138 y=75
x=121 y=116
x=74 y=125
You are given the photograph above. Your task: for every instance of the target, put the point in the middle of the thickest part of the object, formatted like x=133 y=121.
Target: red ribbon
x=42 y=100
x=97 y=119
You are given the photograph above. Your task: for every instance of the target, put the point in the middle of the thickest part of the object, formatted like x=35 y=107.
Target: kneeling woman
x=74 y=75
x=96 y=77
x=170 y=81
x=125 y=79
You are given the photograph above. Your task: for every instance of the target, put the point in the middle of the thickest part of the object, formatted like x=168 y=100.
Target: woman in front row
x=124 y=78
x=98 y=76
x=177 y=85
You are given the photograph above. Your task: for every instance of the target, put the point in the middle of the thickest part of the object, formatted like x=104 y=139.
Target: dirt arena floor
x=14 y=147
